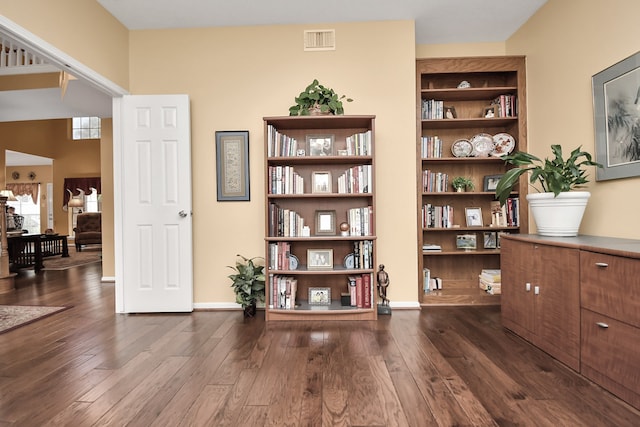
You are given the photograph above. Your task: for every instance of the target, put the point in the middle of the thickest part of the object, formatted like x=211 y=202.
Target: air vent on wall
x=320 y=40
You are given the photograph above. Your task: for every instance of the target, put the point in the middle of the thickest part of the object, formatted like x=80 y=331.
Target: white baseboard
x=109 y=279
x=405 y=305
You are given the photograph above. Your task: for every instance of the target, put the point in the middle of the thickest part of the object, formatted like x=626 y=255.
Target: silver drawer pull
x=602 y=325
x=602 y=264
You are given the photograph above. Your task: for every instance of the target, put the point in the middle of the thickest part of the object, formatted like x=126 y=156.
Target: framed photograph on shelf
x=474 y=217
x=319 y=296
x=320 y=145
x=468 y=242
x=614 y=92
x=490 y=112
x=490 y=240
x=450 y=112
x=325 y=223
x=321 y=182
x=232 y=165
x=491 y=182
x=319 y=259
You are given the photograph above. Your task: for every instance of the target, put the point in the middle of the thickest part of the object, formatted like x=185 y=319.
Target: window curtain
x=25 y=188
x=85 y=184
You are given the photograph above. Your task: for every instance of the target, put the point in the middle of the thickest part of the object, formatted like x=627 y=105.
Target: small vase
x=250 y=310
x=460 y=190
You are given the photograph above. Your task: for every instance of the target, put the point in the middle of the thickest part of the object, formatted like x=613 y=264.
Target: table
x=28 y=250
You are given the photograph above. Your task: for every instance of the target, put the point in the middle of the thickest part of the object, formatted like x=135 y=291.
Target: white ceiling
x=15 y=158
x=437 y=21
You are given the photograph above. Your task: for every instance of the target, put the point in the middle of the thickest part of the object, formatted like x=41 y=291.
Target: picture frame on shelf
x=320 y=145
x=490 y=240
x=490 y=182
x=321 y=182
x=490 y=112
x=325 y=222
x=450 y=112
x=467 y=242
x=319 y=259
x=232 y=166
x=473 y=216
x=616 y=150
x=319 y=296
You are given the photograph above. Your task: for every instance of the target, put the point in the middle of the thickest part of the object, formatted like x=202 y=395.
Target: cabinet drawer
x=610 y=355
x=611 y=285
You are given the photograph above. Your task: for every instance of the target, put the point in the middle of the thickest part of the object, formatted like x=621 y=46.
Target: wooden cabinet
x=448 y=115
x=586 y=312
x=540 y=297
x=320 y=174
x=610 y=343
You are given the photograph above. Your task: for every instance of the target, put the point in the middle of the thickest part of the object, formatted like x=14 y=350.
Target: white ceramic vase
x=558 y=216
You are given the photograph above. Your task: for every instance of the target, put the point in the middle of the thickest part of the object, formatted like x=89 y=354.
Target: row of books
x=360 y=290
x=437 y=216
x=506 y=215
x=280 y=145
x=285 y=180
x=282 y=292
x=355 y=180
x=363 y=254
x=507 y=105
x=430 y=147
x=489 y=280
x=430 y=283
x=360 y=221
x=279 y=253
x=359 y=144
x=434 y=182
x=432 y=109
x=285 y=222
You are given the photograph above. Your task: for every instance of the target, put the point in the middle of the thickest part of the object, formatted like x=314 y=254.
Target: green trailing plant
x=248 y=281
x=553 y=175
x=461 y=182
x=317 y=96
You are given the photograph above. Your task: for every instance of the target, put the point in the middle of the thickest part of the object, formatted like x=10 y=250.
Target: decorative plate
x=462 y=148
x=482 y=144
x=349 y=261
x=293 y=262
x=504 y=144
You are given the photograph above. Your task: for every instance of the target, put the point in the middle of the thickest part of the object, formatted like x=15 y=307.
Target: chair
x=88 y=230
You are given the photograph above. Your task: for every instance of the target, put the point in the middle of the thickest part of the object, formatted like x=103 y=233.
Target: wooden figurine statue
x=383 y=284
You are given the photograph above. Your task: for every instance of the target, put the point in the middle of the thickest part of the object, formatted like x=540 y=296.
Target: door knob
x=182 y=214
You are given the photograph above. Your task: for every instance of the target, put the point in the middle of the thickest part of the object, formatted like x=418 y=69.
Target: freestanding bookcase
x=320 y=239
x=458 y=99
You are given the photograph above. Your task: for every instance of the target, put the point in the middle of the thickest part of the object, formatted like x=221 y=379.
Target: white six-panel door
x=153 y=203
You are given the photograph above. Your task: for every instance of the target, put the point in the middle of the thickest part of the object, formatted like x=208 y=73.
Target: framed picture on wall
x=232 y=165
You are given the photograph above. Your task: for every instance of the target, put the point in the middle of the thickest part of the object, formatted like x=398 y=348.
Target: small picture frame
x=467 y=242
x=325 y=223
x=319 y=259
x=321 y=182
x=450 y=112
x=473 y=216
x=490 y=240
x=491 y=182
x=320 y=145
x=319 y=296
x=301 y=152
x=490 y=112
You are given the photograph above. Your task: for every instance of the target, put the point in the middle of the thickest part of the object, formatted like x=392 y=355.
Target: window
x=92 y=201
x=30 y=211
x=86 y=127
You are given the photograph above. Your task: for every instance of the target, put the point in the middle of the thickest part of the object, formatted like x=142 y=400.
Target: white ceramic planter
x=558 y=216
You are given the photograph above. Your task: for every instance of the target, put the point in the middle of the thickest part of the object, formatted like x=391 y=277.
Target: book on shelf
x=493 y=288
x=360 y=290
x=431 y=147
x=284 y=222
x=280 y=145
x=432 y=109
x=360 y=221
x=431 y=247
x=437 y=216
x=359 y=144
x=434 y=182
x=355 y=180
x=491 y=275
x=282 y=292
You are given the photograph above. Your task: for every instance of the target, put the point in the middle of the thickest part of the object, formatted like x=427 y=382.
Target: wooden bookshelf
x=490 y=78
x=293 y=169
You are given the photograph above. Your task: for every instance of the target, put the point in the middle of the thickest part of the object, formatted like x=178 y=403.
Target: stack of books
x=431 y=247
x=490 y=281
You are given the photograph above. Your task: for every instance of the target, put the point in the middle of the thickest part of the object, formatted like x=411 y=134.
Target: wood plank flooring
x=442 y=366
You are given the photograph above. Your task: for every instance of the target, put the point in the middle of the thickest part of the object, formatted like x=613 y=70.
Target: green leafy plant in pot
x=557 y=208
x=461 y=183
x=248 y=284
x=318 y=99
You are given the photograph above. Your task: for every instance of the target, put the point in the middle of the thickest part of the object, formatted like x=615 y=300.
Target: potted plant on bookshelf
x=248 y=284
x=461 y=184
x=557 y=208
x=317 y=99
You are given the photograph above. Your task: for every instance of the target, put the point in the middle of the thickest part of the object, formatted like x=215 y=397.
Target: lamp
x=76 y=202
x=9 y=195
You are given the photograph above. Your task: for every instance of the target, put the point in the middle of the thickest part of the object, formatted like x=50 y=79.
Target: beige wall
x=237 y=76
x=82 y=29
x=566 y=43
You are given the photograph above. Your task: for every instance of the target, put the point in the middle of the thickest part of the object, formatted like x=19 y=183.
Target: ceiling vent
x=319 y=40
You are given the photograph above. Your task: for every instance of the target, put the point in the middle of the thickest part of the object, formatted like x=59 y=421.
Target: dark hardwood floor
x=444 y=366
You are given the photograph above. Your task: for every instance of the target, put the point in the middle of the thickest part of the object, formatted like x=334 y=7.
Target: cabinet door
x=518 y=277
x=557 y=305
